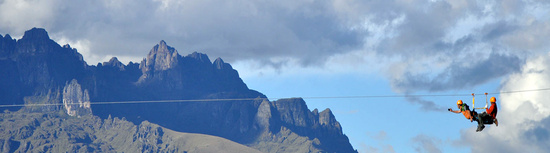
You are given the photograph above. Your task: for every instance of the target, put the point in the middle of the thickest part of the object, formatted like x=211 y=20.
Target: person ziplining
x=487 y=117
x=490 y=114
x=465 y=110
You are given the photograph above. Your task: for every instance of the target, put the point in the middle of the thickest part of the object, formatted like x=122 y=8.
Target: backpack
x=465 y=107
x=469 y=114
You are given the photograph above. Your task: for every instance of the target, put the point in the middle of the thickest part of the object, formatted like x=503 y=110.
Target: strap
x=473 y=101
x=486 y=103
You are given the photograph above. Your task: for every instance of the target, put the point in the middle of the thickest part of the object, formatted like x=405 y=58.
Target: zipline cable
x=251 y=99
x=138 y=102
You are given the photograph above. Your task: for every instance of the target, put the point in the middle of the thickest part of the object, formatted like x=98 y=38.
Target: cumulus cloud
x=425 y=104
x=419 y=45
x=531 y=38
x=308 y=31
x=460 y=76
x=524 y=118
x=453 y=45
x=17 y=16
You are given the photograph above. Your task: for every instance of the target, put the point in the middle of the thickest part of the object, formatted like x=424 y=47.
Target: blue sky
x=309 y=48
x=375 y=124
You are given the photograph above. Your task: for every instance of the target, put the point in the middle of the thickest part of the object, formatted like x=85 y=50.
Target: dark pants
x=485 y=118
x=479 y=119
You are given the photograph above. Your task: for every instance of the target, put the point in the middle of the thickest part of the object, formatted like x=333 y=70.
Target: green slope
x=57 y=132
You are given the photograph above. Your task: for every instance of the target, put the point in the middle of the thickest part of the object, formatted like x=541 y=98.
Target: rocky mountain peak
x=294 y=111
x=36 y=34
x=161 y=57
x=114 y=62
x=36 y=40
x=67 y=46
x=327 y=119
x=38 y=70
x=7 y=45
x=219 y=64
x=203 y=58
x=7 y=36
x=162 y=43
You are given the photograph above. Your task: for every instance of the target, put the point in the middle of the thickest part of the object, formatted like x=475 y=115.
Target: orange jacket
x=492 y=110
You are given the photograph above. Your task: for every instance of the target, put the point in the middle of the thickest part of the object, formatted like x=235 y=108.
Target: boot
x=495 y=121
x=480 y=128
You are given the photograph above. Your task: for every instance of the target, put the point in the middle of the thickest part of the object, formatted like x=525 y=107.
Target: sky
x=311 y=48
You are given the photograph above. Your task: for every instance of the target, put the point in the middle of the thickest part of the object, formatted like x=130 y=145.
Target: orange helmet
x=493 y=99
x=459 y=102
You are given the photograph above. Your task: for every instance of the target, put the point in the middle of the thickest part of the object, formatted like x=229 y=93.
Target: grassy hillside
x=57 y=132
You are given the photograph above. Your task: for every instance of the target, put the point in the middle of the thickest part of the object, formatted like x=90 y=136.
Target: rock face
x=36 y=67
x=294 y=116
x=115 y=63
x=191 y=76
x=161 y=57
x=36 y=70
x=76 y=101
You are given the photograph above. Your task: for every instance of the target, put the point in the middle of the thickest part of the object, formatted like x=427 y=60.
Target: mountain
x=40 y=71
x=35 y=69
x=58 y=132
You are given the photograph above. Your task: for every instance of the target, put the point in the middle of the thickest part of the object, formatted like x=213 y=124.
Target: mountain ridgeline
x=37 y=70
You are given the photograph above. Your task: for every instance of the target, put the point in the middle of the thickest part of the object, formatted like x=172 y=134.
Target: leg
x=487 y=119
x=480 y=120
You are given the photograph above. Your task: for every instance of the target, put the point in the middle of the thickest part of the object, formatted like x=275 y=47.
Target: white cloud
x=436 y=50
x=531 y=37
x=436 y=46
x=21 y=15
x=308 y=31
x=395 y=39
x=524 y=122
x=82 y=46
x=418 y=45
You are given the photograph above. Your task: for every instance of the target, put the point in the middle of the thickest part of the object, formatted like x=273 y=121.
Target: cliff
x=40 y=71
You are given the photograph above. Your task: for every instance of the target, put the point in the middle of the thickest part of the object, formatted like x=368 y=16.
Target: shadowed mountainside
x=37 y=70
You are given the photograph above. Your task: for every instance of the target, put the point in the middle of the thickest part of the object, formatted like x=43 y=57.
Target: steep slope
x=166 y=75
x=291 y=127
x=39 y=71
x=57 y=132
x=36 y=67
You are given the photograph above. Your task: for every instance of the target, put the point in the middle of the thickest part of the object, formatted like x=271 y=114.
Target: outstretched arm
x=451 y=110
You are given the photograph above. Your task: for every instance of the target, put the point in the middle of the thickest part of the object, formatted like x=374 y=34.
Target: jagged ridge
x=46 y=69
